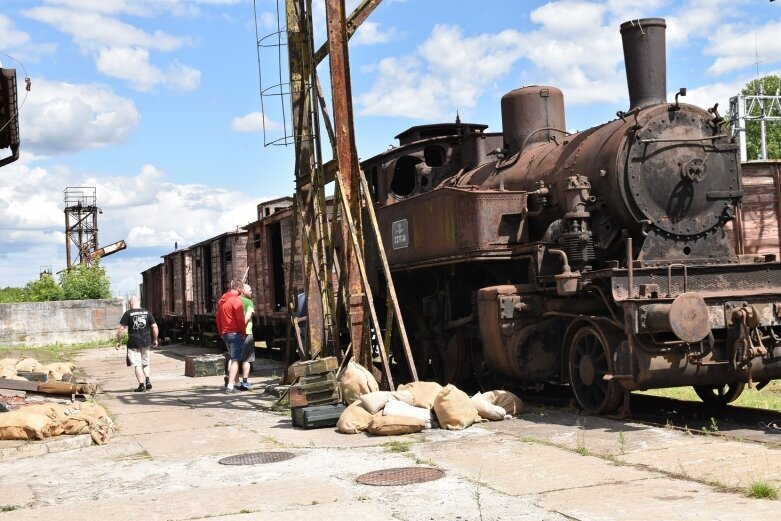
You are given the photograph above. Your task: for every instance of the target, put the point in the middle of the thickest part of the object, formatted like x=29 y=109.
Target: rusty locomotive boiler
x=597 y=258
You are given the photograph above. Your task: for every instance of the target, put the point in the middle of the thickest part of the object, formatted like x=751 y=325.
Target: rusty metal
x=81 y=223
x=9 y=115
x=394 y=312
x=364 y=282
x=354 y=21
x=108 y=250
x=256 y=458
x=347 y=158
x=400 y=476
x=526 y=110
x=644 y=56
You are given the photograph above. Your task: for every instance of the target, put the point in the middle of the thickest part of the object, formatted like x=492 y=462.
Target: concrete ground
x=544 y=465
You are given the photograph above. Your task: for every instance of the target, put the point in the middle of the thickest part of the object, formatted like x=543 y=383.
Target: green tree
x=85 y=282
x=768 y=85
x=44 y=289
x=10 y=294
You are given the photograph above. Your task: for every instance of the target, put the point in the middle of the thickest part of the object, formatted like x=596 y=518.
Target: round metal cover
x=400 y=476
x=256 y=457
x=689 y=317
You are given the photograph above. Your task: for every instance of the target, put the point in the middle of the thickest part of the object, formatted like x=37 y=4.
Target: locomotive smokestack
x=644 y=57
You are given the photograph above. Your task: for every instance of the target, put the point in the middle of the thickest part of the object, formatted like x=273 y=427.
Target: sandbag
x=399 y=408
x=486 y=409
x=58 y=412
x=356 y=381
x=30 y=365
x=22 y=425
x=57 y=370
x=394 y=425
x=92 y=419
x=374 y=402
x=423 y=393
x=354 y=419
x=453 y=408
x=508 y=401
x=9 y=362
x=7 y=371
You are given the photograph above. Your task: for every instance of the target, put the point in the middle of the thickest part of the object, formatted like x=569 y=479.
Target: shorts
x=138 y=356
x=248 y=354
x=235 y=344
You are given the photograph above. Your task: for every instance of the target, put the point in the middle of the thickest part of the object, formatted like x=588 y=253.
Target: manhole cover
x=256 y=457
x=400 y=476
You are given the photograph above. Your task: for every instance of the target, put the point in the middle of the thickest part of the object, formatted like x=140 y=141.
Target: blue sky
x=156 y=102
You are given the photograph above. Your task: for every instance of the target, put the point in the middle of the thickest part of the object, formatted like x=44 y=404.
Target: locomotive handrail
x=670 y=278
x=679 y=139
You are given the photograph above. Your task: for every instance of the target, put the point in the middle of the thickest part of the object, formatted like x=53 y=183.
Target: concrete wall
x=63 y=322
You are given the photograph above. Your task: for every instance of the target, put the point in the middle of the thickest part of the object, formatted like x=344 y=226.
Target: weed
x=245 y=511
x=580 y=443
x=476 y=493
x=397 y=446
x=8 y=508
x=362 y=498
x=315 y=502
x=713 y=426
x=136 y=456
x=428 y=462
x=762 y=490
x=622 y=442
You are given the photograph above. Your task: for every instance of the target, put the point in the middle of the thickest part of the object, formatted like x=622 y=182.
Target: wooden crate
x=317 y=416
x=204 y=365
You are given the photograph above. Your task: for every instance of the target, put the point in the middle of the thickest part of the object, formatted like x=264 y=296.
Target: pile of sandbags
x=39 y=421
x=416 y=406
x=10 y=367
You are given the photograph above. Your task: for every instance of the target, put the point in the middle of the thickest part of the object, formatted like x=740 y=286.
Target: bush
x=10 y=294
x=85 y=282
x=43 y=289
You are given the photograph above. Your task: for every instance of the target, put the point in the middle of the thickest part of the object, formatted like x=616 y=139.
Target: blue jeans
x=235 y=344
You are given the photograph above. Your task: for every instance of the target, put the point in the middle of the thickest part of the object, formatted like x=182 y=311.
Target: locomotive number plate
x=400 y=234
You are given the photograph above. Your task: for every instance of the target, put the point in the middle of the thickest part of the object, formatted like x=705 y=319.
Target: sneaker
x=245 y=386
x=148 y=384
x=230 y=390
x=140 y=389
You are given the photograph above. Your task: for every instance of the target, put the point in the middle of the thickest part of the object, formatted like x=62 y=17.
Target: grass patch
x=397 y=446
x=136 y=456
x=53 y=352
x=768 y=398
x=762 y=490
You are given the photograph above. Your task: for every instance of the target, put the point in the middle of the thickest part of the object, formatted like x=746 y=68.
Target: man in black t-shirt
x=141 y=336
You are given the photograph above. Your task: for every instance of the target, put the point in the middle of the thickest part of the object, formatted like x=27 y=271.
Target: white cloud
x=145 y=209
x=63 y=117
x=737 y=46
x=370 y=33
x=254 y=122
x=122 y=50
x=9 y=36
x=447 y=73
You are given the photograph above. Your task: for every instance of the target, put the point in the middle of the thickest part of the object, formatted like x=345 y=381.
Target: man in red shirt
x=231 y=327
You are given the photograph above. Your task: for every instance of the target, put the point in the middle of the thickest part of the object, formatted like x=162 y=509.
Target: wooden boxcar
x=268 y=257
x=215 y=262
x=151 y=294
x=759 y=213
x=177 y=313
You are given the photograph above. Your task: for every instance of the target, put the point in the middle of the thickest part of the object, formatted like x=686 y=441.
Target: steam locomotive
x=597 y=259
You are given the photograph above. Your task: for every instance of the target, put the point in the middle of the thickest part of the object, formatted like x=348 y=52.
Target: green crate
x=317 y=416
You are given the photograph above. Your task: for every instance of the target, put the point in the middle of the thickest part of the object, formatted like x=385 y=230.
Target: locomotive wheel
x=484 y=375
x=719 y=394
x=589 y=362
x=450 y=360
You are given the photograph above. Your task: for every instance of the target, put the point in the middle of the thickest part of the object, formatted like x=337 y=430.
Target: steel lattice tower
x=81 y=223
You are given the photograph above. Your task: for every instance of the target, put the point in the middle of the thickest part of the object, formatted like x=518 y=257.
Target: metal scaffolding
x=745 y=109
x=337 y=289
x=81 y=223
